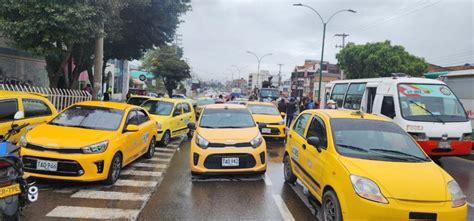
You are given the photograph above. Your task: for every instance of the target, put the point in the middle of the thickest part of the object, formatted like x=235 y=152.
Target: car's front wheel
x=287 y=172
x=331 y=207
x=165 y=140
x=114 y=170
x=151 y=149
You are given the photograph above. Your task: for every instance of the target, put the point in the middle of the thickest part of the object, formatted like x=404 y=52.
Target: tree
x=164 y=63
x=379 y=59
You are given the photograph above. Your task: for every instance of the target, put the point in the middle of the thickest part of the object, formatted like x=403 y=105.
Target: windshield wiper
x=399 y=153
x=370 y=150
x=352 y=147
x=427 y=111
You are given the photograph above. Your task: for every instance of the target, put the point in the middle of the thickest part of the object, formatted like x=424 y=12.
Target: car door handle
x=289 y=136
x=304 y=146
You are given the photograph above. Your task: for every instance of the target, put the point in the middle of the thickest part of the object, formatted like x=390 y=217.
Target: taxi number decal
x=145 y=137
x=294 y=153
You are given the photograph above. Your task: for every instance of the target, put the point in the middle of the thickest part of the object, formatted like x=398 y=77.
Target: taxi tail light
x=419 y=136
x=100 y=166
x=466 y=137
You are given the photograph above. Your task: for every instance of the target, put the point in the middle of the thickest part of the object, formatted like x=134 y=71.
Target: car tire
x=151 y=149
x=114 y=170
x=331 y=207
x=165 y=140
x=290 y=178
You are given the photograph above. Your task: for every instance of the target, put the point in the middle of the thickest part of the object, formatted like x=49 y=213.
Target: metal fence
x=61 y=98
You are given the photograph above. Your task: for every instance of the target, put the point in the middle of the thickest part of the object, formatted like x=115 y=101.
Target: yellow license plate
x=9 y=190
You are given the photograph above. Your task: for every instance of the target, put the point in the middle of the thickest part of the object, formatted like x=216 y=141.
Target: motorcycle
x=15 y=191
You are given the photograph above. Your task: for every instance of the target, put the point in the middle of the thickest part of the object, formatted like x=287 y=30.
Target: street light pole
x=324 y=38
x=259 y=59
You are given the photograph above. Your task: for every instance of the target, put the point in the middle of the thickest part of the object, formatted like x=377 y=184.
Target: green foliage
x=164 y=63
x=379 y=59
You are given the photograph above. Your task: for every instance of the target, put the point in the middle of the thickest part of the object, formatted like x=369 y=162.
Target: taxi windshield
x=382 y=141
x=158 y=107
x=203 y=102
x=227 y=118
x=136 y=100
x=430 y=102
x=263 y=109
x=89 y=117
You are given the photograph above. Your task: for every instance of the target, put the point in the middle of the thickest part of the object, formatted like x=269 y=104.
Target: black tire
x=114 y=169
x=151 y=149
x=290 y=178
x=331 y=207
x=190 y=134
x=165 y=140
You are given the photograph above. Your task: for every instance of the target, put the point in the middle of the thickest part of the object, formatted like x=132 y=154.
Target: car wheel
x=290 y=178
x=165 y=140
x=114 y=170
x=331 y=207
x=151 y=149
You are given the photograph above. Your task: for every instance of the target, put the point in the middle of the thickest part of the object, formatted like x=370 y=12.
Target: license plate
x=444 y=145
x=266 y=130
x=47 y=165
x=9 y=190
x=230 y=162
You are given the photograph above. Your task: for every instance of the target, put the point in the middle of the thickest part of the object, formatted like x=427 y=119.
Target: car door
x=132 y=138
x=188 y=114
x=36 y=111
x=316 y=160
x=144 y=133
x=176 y=122
x=297 y=141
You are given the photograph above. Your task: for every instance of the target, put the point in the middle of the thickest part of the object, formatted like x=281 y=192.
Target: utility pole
x=177 y=42
x=98 y=62
x=279 y=76
x=343 y=35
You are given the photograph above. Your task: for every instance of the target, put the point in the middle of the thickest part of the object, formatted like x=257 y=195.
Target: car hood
x=66 y=137
x=238 y=135
x=263 y=118
x=417 y=181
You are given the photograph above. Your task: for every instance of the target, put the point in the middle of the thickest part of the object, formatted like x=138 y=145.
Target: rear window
x=136 y=100
x=158 y=107
x=338 y=93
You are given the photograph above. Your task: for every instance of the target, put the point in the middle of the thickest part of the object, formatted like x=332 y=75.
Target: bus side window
x=388 y=107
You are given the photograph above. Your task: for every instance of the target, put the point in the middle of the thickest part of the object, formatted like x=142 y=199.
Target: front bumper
x=276 y=131
x=458 y=148
x=404 y=210
x=208 y=161
x=74 y=167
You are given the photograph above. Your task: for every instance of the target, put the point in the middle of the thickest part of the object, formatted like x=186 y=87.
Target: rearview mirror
x=132 y=128
x=19 y=115
x=192 y=126
x=315 y=142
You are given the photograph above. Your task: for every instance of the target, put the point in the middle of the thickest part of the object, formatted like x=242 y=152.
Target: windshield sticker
x=417 y=90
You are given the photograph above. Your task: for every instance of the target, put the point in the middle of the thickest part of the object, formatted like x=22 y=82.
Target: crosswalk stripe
x=284 y=211
x=150 y=165
x=141 y=173
x=138 y=183
x=109 y=195
x=158 y=160
x=93 y=213
x=163 y=154
x=161 y=149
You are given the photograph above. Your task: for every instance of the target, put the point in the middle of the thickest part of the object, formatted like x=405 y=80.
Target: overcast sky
x=217 y=33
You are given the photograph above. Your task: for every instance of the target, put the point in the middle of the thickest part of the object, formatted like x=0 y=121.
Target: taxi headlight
x=457 y=196
x=22 y=142
x=367 y=189
x=255 y=142
x=201 y=142
x=96 y=148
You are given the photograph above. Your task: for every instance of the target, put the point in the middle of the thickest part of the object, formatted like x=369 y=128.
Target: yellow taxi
x=89 y=141
x=137 y=99
x=172 y=115
x=267 y=113
x=37 y=109
x=227 y=140
x=365 y=167
x=201 y=103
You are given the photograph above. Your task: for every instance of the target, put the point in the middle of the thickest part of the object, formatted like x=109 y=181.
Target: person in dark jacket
x=290 y=111
x=282 y=105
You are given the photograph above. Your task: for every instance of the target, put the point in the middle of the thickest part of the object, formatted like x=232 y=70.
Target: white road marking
x=470 y=204
x=138 y=183
x=109 y=195
x=164 y=154
x=141 y=173
x=158 y=160
x=284 y=211
x=161 y=149
x=268 y=182
x=93 y=213
x=150 y=165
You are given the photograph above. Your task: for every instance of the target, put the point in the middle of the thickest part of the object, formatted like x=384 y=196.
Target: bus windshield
x=430 y=102
x=269 y=93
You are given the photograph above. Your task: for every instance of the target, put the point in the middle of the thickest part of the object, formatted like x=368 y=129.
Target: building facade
x=255 y=80
x=305 y=77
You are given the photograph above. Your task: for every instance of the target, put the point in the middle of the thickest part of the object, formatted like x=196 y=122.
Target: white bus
x=427 y=109
x=462 y=83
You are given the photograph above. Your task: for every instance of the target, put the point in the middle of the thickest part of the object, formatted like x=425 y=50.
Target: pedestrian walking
x=310 y=104
x=290 y=111
x=282 y=105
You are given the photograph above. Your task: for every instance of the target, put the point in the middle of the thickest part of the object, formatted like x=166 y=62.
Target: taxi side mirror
x=192 y=126
x=19 y=115
x=283 y=114
x=315 y=142
x=132 y=128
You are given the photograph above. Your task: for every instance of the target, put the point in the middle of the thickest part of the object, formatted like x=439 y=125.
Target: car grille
x=245 y=144
x=214 y=161
x=277 y=123
x=56 y=150
x=65 y=167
